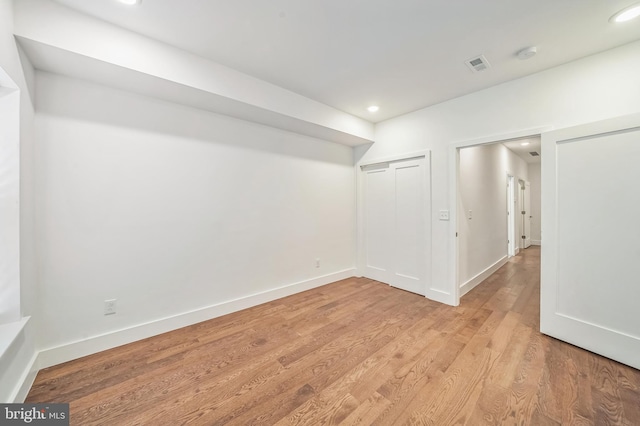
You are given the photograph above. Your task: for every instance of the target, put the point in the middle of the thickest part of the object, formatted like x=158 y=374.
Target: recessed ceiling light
x=373 y=108
x=626 y=14
x=524 y=143
x=130 y=2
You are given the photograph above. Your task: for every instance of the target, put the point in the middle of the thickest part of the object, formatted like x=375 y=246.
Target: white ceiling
x=523 y=151
x=402 y=55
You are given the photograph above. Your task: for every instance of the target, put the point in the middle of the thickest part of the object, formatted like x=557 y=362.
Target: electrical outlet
x=317 y=262
x=110 y=307
x=444 y=215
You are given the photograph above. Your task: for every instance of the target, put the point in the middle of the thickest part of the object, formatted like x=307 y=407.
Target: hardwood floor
x=356 y=352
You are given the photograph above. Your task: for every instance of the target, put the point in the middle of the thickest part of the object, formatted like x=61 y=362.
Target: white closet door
x=409 y=253
x=396 y=223
x=378 y=211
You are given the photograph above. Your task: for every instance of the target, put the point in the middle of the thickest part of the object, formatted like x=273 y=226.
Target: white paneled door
x=378 y=212
x=590 y=285
x=396 y=232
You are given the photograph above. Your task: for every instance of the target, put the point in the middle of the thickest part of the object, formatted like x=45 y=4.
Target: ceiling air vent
x=477 y=64
x=534 y=154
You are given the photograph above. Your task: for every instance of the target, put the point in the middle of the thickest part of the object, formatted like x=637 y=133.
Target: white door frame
x=360 y=255
x=454 y=173
x=511 y=215
x=521 y=216
x=526 y=219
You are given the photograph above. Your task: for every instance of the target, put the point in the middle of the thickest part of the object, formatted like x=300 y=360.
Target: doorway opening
x=493 y=224
x=525 y=213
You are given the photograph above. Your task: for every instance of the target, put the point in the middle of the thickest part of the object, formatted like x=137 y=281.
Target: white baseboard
x=91 y=345
x=536 y=242
x=473 y=282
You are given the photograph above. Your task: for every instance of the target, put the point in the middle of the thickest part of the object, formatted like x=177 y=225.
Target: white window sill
x=9 y=332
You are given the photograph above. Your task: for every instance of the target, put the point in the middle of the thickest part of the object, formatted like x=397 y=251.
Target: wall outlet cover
x=110 y=307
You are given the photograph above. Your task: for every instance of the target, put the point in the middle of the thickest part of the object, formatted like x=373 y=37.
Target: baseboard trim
x=536 y=242
x=91 y=345
x=473 y=282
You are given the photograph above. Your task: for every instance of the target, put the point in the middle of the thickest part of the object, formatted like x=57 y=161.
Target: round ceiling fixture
x=524 y=143
x=527 y=53
x=626 y=14
x=130 y=2
x=373 y=108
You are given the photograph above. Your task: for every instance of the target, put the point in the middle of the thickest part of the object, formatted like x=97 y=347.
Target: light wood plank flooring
x=356 y=352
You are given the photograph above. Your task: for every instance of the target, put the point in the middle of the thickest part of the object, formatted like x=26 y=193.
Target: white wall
x=21 y=71
x=10 y=310
x=170 y=209
x=482 y=235
x=534 y=178
x=593 y=88
x=16 y=365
